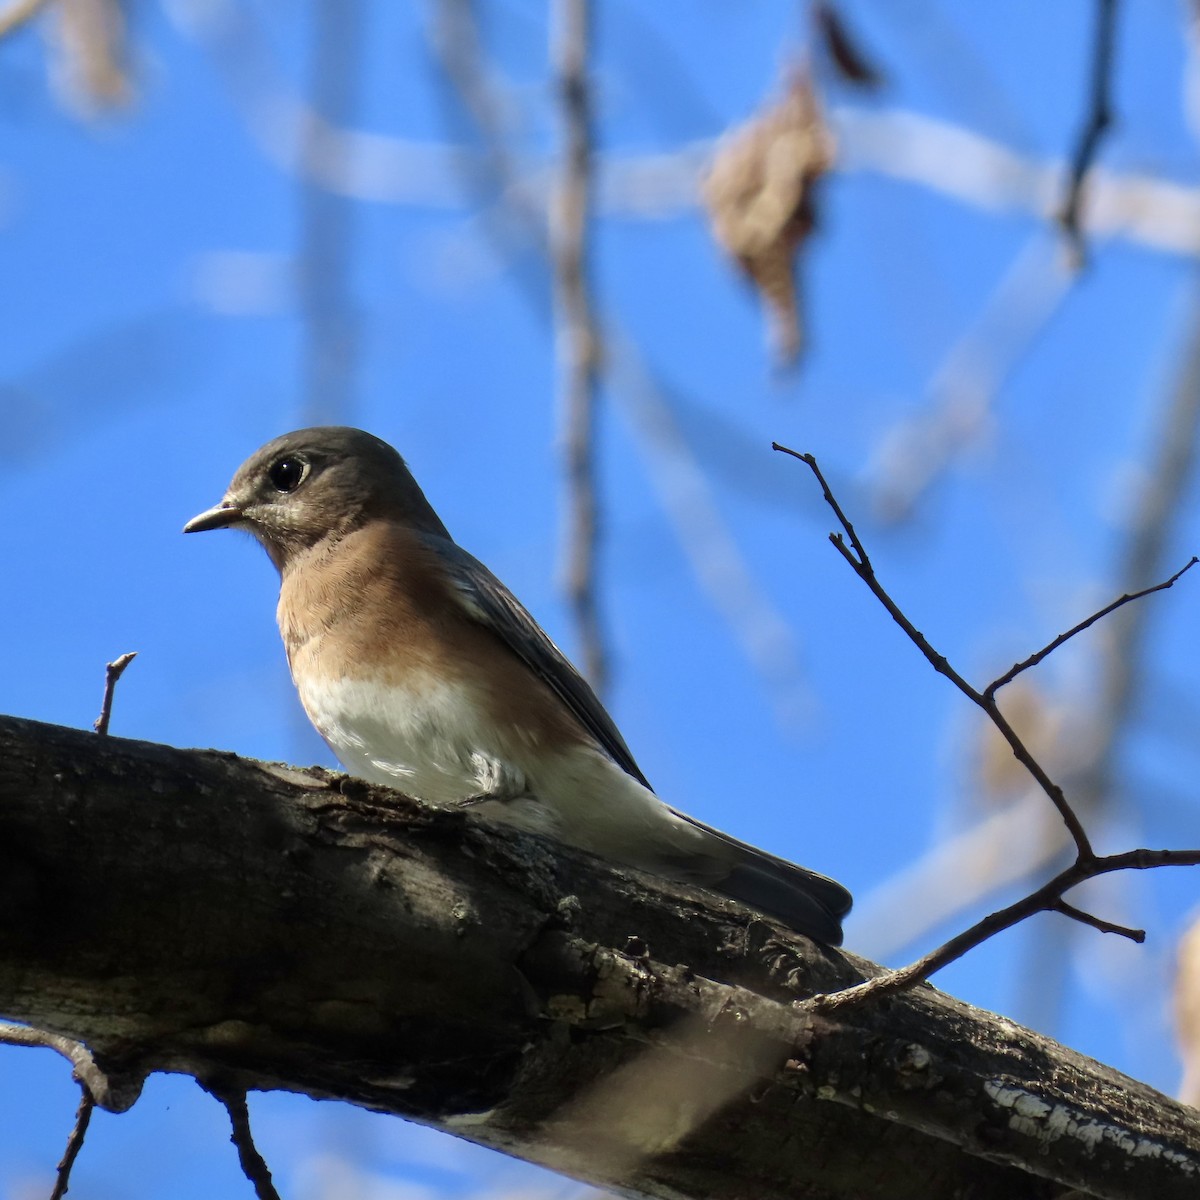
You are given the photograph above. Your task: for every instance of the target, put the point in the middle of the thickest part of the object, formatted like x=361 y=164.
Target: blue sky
x=154 y=337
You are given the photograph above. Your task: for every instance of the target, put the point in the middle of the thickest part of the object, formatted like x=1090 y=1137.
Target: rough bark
x=265 y=927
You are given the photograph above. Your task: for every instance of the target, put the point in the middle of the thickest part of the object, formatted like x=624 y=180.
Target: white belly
x=430 y=742
x=434 y=742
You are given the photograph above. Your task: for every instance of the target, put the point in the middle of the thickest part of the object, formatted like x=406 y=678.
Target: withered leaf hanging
x=759 y=196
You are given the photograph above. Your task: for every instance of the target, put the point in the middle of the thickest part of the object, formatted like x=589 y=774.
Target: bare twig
x=578 y=342
x=1047 y=898
x=112 y=672
x=1099 y=120
x=83 y=1116
x=858 y=560
x=254 y=1166
x=1086 y=918
x=956 y=875
x=1032 y=661
x=1050 y=896
x=18 y=13
x=114 y=1094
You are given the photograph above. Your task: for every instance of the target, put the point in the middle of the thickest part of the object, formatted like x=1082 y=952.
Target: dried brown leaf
x=759 y=196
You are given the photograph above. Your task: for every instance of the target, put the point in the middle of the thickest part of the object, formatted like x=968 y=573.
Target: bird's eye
x=287 y=474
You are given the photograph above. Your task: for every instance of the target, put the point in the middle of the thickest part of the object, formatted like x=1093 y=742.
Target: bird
x=424 y=673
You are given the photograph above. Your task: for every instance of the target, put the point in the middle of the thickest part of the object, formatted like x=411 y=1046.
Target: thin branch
x=18 y=13
x=112 y=1093
x=1032 y=661
x=83 y=1117
x=1100 y=117
x=1086 y=918
x=112 y=672
x=254 y=1166
x=1047 y=898
x=831 y=500
x=578 y=342
x=862 y=568
x=1005 y=849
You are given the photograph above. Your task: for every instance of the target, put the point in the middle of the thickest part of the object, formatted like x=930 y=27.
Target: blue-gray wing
x=808 y=901
x=489 y=602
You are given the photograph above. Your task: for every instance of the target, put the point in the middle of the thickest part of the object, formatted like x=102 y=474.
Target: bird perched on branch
x=423 y=672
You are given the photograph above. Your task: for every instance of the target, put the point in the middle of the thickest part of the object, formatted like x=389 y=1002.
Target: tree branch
x=113 y=1093
x=1087 y=864
x=284 y=928
x=861 y=564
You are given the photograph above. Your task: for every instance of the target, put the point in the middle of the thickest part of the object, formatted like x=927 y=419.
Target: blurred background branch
x=578 y=344
x=17 y=12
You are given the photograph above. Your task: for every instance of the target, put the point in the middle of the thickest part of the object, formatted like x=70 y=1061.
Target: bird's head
x=316 y=483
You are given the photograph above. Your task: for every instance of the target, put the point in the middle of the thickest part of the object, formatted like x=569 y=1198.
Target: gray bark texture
x=263 y=927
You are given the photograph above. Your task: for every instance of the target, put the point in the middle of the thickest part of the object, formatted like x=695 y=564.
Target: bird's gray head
x=308 y=485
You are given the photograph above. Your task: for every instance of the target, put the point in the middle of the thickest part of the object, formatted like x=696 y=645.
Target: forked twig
x=1087 y=865
x=861 y=564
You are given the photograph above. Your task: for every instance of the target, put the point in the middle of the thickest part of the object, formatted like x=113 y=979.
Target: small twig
x=83 y=1115
x=112 y=672
x=831 y=500
x=18 y=13
x=254 y=1166
x=1087 y=864
x=1047 y=898
x=1086 y=918
x=1033 y=660
x=861 y=564
x=1100 y=117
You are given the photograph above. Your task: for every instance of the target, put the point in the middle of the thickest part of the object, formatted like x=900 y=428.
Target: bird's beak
x=219 y=517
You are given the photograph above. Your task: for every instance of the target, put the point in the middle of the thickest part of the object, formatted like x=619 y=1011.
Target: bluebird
x=423 y=672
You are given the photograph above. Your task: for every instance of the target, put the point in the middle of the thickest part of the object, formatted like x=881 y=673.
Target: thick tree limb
x=271 y=928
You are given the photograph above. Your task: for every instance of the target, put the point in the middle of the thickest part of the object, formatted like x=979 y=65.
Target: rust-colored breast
x=377 y=604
